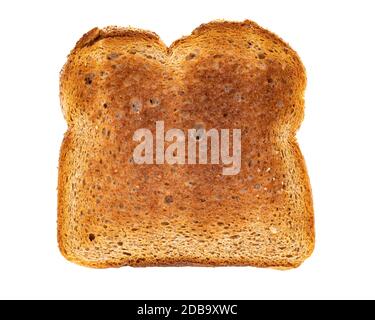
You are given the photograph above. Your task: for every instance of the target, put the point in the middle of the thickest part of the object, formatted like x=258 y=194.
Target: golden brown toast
x=114 y=212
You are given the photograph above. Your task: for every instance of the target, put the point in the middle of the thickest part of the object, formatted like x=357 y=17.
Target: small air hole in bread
x=112 y=56
x=136 y=105
x=154 y=102
x=261 y=55
x=168 y=199
x=89 y=78
x=191 y=56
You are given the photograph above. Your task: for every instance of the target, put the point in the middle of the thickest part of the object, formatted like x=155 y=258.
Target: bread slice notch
x=112 y=212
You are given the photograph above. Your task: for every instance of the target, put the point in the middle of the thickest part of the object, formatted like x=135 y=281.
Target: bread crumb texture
x=114 y=213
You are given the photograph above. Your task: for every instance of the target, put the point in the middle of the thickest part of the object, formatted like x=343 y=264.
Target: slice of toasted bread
x=114 y=212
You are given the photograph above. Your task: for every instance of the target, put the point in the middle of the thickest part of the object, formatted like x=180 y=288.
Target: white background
x=335 y=40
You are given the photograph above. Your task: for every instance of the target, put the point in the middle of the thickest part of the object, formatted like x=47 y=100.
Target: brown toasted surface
x=112 y=212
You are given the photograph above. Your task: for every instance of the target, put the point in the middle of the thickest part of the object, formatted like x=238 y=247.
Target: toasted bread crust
x=112 y=213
